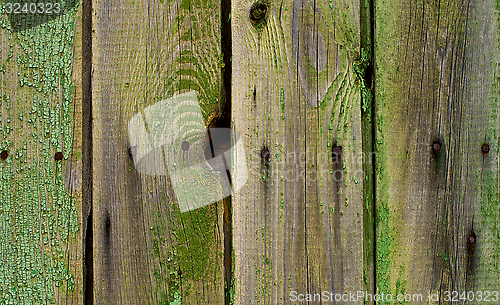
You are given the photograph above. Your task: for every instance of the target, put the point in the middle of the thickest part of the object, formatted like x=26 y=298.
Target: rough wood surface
x=304 y=221
x=437 y=80
x=145 y=250
x=299 y=220
x=40 y=196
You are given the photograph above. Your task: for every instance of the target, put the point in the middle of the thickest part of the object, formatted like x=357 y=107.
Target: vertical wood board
x=146 y=250
x=299 y=219
x=40 y=165
x=437 y=69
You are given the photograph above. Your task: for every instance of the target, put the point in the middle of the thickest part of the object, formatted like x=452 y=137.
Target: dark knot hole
x=258 y=11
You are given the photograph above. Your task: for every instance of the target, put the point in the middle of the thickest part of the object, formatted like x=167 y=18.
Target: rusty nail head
x=436 y=146
x=472 y=239
x=58 y=156
x=185 y=145
x=4 y=154
x=265 y=154
x=337 y=150
x=485 y=148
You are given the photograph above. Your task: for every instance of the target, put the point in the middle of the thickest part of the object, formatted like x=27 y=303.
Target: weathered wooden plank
x=437 y=81
x=299 y=220
x=146 y=55
x=40 y=159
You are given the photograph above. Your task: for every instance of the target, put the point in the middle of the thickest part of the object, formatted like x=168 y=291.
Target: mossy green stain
x=191 y=252
x=401 y=284
x=384 y=242
x=489 y=230
x=195 y=70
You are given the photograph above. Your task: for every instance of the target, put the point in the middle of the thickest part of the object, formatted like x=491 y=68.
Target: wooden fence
x=369 y=131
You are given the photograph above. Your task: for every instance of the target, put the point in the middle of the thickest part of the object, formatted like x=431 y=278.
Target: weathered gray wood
x=40 y=197
x=299 y=220
x=145 y=250
x=437 y=81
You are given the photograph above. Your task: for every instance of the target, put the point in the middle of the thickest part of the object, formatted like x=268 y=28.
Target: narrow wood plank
x=299 y=219
x=437 y=81
x=40 y=190
x=147 y=249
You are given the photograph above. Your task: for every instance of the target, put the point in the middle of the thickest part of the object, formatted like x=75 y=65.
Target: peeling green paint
x=38 y=218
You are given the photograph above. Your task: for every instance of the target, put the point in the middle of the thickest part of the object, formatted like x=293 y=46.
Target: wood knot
x=4 y=154
x=58 y=156
x=485 y=148
x=258 y=12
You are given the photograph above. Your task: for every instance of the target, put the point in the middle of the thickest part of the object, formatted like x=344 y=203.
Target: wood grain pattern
x=40 y=197
x=437 y=81
x=145 y=250
x=299 y=220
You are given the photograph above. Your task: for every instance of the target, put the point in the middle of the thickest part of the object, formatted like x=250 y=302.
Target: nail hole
x=258 y=12
x=132 y=150
x=485 y=148
x=436 y=146
x=265 y=154
x=58 y=156
x=472 y=239
x=107 y=223
x=369 y=76
x=185 y=145
x=4 y=154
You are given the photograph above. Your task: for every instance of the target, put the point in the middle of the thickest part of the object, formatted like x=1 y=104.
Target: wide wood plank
x=437 y=81
x=40 y=159
x=150 y=245
x=299 y=220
